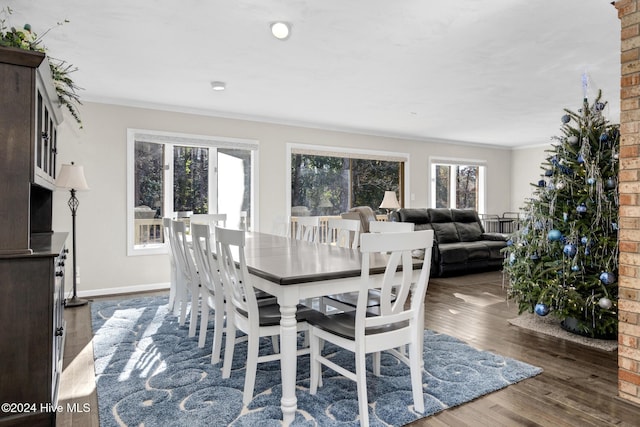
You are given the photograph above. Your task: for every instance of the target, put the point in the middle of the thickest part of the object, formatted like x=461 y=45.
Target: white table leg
x=288 y=361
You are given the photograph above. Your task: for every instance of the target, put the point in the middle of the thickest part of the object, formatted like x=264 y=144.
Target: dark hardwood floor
x=577 y=388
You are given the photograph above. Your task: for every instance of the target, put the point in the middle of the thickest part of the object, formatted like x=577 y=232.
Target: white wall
x=526 y=166
x=101 y=148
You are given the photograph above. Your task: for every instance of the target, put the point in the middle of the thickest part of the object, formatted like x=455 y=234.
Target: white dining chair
x=281 y=226
x=344 y=233
x=212 y=293
x=243 y=311
x=212 y=220
x=187 y=275
x=166 y=226
x=347 y=301
x=397 y=324
x=307 y=228
x=390 y=227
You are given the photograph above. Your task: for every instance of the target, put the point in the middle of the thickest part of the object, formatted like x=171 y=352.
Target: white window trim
x=191 y=140
x=326 y=150
x=455 y=161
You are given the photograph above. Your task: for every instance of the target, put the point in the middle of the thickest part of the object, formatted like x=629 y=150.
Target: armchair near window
x=364 y=213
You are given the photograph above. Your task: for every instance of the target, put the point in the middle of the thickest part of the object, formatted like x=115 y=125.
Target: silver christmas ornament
x=605 y=303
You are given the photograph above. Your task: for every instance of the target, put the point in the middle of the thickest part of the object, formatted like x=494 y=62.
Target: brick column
x=629 y=186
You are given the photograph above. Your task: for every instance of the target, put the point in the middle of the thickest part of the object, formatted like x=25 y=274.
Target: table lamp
x=72 y=177
x=389 y=202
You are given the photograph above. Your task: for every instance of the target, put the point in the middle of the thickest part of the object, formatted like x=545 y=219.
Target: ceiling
x=497 y=72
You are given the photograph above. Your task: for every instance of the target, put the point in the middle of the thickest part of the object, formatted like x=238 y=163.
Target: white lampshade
x=72 y=177
x=389 y=201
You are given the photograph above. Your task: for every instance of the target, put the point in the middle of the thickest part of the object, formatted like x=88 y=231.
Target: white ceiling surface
x=496 y=72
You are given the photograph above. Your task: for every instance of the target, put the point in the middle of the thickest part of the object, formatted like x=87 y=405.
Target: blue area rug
x=148 y=371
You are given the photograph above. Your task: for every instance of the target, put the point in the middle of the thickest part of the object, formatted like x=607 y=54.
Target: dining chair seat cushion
x=260 y=295
x=344 y=324
x=351 y=298
x=270 y=313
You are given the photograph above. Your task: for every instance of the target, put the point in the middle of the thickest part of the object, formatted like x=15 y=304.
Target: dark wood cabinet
x=29 y=117
x=32 y=256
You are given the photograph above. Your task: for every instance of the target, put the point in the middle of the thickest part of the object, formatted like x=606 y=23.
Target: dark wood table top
x=288 y=261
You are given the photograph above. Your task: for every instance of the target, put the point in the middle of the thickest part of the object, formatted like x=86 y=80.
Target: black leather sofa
x=461 y=245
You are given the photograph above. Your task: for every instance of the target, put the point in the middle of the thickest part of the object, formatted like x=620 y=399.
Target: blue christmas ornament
x=604 y=137
x=582 y=208
x=610 y=184
x=534 y=256
x=565 y=170
x=548 y=172
x=566 y=119
x=587 y=251
x=541 y=183
x=599 y=106
x=554 y=160
x=575 y=268
x=584 y=240
x=607 y=278
x=541 y=309
x=614 y=225
x=591 y=181
x=554 y=235
x=580 y=159
x=509 y=242
x=569 y=249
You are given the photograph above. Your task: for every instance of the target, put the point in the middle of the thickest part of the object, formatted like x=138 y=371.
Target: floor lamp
x=71 y=177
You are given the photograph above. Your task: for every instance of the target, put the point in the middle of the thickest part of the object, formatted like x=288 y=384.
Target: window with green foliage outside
x=330 y=185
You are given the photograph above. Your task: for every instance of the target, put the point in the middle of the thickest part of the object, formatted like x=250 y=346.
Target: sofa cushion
x=495 y=247
x=464 y=215
x=420 y=227
x=440 y=215
x=414 y=215
x=445 y=232
x=477 y=251
x=453 y=253
x=469 y=231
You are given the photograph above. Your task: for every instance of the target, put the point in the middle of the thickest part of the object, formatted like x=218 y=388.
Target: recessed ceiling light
x=281 y=30
x=218 y=85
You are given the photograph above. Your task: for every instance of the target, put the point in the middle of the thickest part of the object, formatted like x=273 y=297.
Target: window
x=329 y=182
x=177 y=175
x=457 y=184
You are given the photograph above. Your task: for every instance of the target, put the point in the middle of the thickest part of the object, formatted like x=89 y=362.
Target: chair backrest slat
x=183 y=258
x=344 y=232
x=307 y=228
x=212 y=220
x=206 y=264
x=390 y=227
x=396 y=286
x=166 y=225
x=233 y=270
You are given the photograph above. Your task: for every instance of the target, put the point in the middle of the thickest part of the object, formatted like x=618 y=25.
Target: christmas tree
x=563 y=259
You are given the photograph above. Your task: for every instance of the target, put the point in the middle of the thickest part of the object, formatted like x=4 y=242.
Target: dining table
x=293 y=271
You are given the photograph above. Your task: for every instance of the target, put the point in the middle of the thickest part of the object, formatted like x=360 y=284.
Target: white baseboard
x=124 y=290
